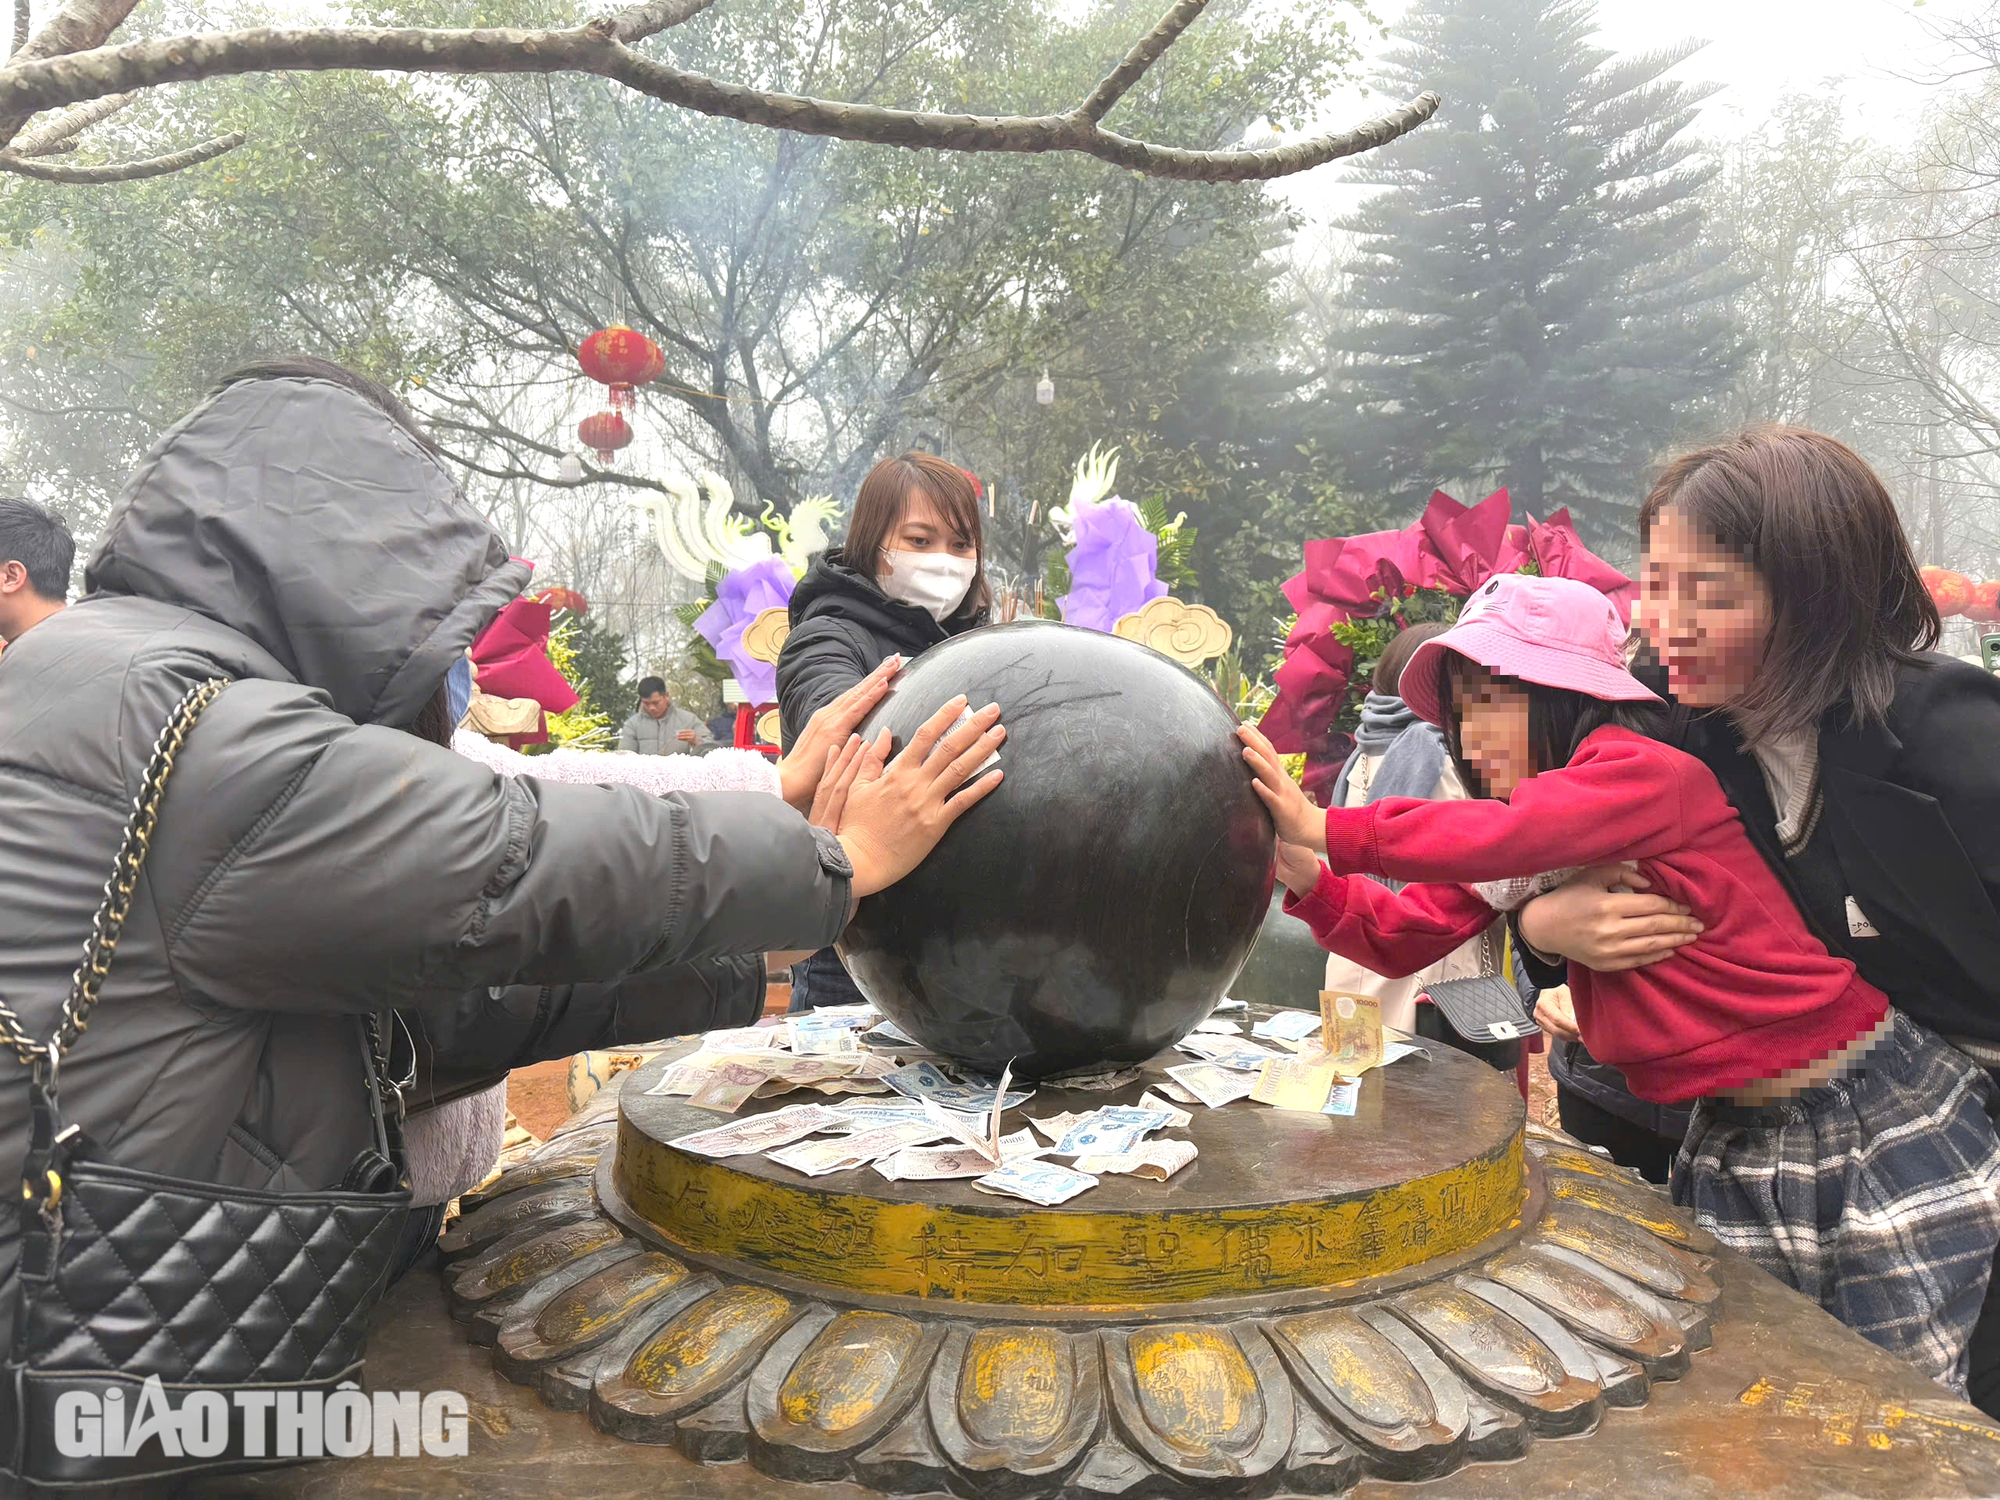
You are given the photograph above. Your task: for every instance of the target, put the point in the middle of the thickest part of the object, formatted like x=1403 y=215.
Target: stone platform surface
x=1787 y=1402
x=1474 y=1313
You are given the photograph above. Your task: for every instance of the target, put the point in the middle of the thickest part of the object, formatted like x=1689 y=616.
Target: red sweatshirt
x=1754 y=995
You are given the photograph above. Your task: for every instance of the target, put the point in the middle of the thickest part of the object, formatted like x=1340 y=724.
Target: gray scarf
x=1411 y=765
x=1412 y=751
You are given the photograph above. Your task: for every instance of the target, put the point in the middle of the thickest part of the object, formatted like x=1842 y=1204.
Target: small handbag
x=227 y=1305
x=1486 y=1008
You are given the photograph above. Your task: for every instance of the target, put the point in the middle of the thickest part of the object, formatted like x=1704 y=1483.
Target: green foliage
x=1368 y=639
x=700 y=657
x=597 y=664
x=1176 y=540
x=819 y=302
x=1536 y=304
x=590 y=724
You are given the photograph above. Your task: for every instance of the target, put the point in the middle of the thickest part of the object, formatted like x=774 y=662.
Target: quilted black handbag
x=129 y=1277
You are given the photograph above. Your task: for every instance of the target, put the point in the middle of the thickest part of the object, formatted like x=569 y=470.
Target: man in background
x=36 y=550
x=659 y=728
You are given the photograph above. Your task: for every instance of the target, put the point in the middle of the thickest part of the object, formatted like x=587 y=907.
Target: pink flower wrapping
x=1452 y=547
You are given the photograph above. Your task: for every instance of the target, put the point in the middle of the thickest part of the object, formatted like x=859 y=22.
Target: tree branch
x=50 y=134
x=641 y=21
x=124 y=171
x=1143 y=55
x=21 y=26
x=72 y=79
x=79 y=26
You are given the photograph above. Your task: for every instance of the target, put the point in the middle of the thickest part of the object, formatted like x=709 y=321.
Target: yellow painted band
x=1064 y=1257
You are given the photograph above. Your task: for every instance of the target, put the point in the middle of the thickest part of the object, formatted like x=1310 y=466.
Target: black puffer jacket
x=313 y=862
x=843 y=628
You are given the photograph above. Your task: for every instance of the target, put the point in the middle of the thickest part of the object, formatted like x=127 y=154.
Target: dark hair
x=35 y=537
x=434 y=721
x=651 y=685
x=1388 y=678
x=1848 y=606
x=882 y=499
x=309 y=367
x=1559 y=719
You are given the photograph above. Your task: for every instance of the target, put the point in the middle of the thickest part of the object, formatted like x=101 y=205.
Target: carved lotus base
x=1493 y=1288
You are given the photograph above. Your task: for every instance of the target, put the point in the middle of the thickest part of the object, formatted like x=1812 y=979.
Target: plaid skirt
x=1876 y=1194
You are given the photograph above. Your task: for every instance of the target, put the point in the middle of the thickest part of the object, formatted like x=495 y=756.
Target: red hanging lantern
x=621 y=358
x=1950 y=591
x=604 y=434
x=1984 y=607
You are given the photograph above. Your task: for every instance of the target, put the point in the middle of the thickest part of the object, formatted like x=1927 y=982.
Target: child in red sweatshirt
x=1886 y=1207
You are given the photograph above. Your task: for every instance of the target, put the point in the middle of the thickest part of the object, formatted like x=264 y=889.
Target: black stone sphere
x=1091 y=910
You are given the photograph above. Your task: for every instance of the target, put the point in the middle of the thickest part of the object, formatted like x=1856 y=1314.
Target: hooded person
x=313 y=862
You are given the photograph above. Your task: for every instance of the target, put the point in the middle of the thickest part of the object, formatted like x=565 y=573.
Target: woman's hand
x=1597 y=919
x=1556 y=1016
x=890 y=823
x=1298 y=821
x=800 y=772
x=846 y=766
x=1298 y=868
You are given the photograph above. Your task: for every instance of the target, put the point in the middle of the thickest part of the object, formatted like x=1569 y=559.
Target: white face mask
x=935 y=581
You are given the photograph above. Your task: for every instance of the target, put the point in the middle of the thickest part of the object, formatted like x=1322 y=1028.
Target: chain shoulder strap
x=118 y=892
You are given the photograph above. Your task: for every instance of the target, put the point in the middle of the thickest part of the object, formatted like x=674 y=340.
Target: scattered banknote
x=1287 y=1026
x=889 y=1034
x=743 y=1039
x=1111 y=1131
x=760 y=1132
x=1225 y=1003
x=922 y=1080
x=1212 y=1085
x=1055 y=1127
x=1227 y=1051
x=934 y=1163
x=727 y=1085
x=680 y=1078
x=1351 y=1030
x=1040 y=1182
x=868 y=1065
x=1294 y=1083
x=1097 y=1083
x=1343 y=1096
x=1158 y=1160
x=867 y=1115
x=1395 y=1052
x=1177 y=1118
x=799 y=1071
x=831 y=1087
x=914 y=1080
x=814 y=1036
x=861 y=1014
x=1177 y=1093
x=1216 y=1027
x=844 y=1153
x=980 y=1132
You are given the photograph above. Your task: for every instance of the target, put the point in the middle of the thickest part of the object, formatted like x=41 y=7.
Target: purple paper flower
x=1111 y=567
x=739 y=599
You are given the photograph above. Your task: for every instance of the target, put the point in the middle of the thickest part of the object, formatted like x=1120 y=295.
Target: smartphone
x=1989 y=651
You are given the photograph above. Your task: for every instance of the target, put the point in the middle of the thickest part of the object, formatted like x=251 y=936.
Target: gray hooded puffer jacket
x=311 y=863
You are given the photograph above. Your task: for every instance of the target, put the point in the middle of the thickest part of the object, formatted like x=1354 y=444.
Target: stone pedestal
x=1318 y=1304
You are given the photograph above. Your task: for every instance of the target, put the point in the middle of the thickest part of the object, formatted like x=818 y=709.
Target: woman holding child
x=1818 y=823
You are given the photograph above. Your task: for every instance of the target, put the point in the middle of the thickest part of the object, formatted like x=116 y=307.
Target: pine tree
x=1536 y=303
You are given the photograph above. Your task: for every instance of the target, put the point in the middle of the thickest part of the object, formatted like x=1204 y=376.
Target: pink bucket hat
x=1552 y=631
